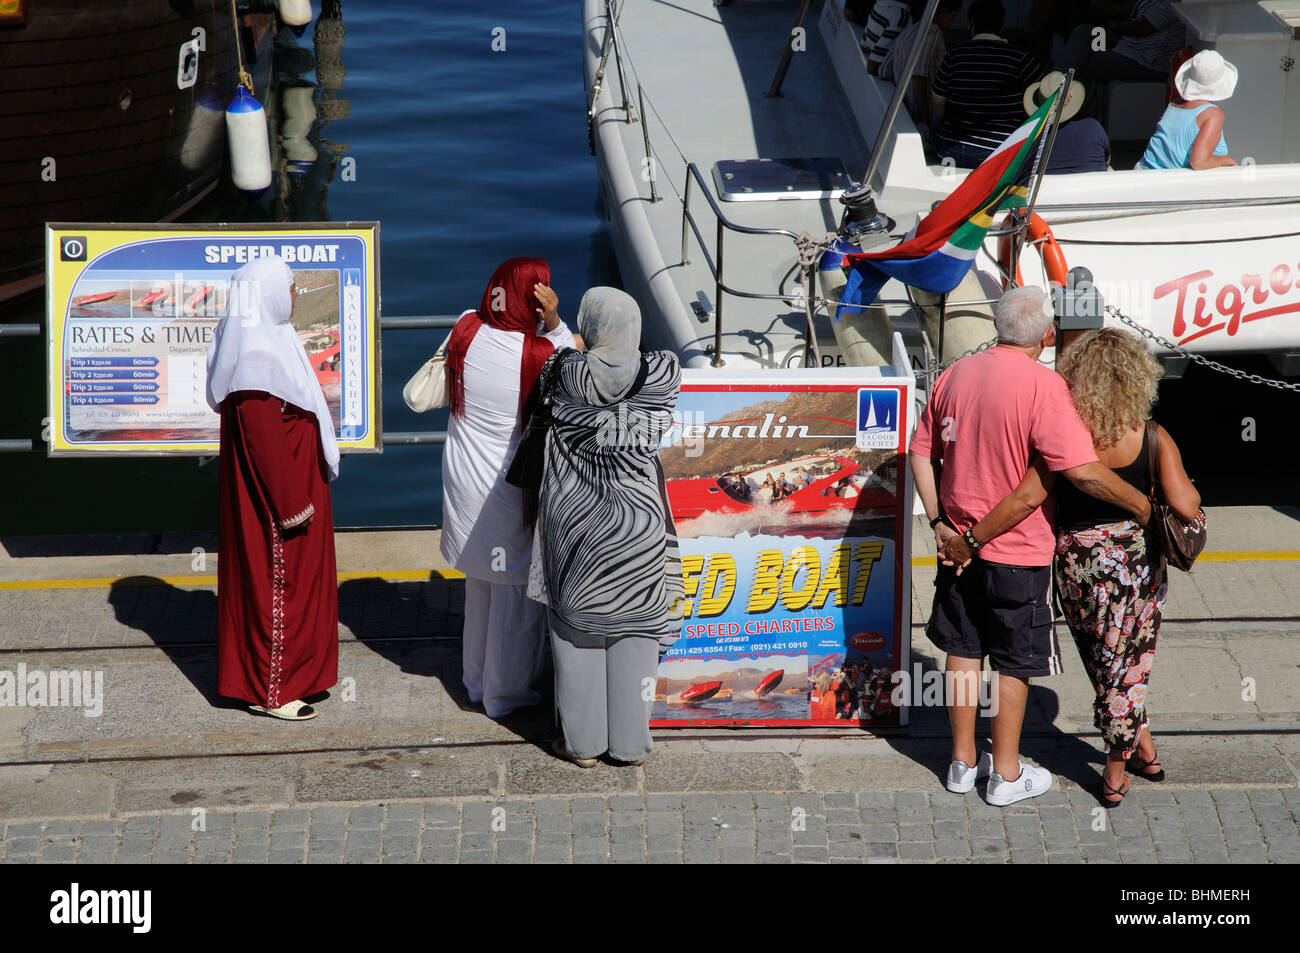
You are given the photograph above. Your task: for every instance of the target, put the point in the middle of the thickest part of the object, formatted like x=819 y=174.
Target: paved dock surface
x=401 y=767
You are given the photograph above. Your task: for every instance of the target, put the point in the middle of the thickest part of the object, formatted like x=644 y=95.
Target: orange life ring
x=1041 y=237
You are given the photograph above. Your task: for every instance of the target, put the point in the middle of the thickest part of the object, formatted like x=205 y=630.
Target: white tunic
x=483 y=532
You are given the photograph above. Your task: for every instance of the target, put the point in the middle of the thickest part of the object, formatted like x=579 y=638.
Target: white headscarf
x=610 y=324
x=256 y=348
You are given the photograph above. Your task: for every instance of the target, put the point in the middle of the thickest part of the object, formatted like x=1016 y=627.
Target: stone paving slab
x=681 y=767
x=162 y=701
x=934 y=827
x=400 y=767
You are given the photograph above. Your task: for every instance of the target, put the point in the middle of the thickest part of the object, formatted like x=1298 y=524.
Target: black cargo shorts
x=1000 y=611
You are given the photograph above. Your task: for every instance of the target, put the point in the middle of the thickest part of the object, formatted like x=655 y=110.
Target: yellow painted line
x=421 y=575
x=402 y=575
x=105 y=582
x=1235 y=556
x=1252 y=556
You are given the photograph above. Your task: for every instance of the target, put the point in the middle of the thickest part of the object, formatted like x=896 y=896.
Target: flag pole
x=1048 y=140
x=1046 y=153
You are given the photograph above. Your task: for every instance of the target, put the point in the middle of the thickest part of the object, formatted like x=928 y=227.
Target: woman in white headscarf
x=604 y=539
x=277 y=596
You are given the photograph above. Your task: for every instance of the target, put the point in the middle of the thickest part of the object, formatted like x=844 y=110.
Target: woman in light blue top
x=1190 y=133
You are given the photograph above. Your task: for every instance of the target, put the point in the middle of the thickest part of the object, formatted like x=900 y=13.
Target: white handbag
x=427 y=388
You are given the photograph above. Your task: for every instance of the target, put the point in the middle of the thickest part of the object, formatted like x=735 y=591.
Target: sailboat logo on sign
x=877 y=419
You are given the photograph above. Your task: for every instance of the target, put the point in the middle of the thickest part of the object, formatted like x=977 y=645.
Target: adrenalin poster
x=132 y=311
x=787 y=499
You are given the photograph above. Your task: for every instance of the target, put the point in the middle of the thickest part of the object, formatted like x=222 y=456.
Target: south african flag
x=937 y=253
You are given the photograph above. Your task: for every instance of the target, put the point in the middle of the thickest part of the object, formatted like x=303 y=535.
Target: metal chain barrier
x=944 y=365
x=1114 y=312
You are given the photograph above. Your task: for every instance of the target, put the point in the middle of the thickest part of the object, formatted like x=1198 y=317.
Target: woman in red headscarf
x=493 y=359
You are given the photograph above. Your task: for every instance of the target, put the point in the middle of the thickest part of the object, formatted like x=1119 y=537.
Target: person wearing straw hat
x=1190 y=133
x=1081 y=144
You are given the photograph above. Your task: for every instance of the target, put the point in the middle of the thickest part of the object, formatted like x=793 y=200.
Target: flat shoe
x=561 y=751
x=1140 y=769
x=293 y=711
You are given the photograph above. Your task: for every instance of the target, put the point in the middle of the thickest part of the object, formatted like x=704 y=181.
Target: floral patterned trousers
x=1113 y=595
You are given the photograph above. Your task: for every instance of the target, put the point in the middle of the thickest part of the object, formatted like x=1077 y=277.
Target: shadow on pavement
x=416 y=626
x=1061 y=753
x=181 y=622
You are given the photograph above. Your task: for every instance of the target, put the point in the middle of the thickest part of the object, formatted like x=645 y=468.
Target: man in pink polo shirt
x=988 y=415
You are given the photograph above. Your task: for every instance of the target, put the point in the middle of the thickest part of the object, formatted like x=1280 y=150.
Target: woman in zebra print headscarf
x=604 y=541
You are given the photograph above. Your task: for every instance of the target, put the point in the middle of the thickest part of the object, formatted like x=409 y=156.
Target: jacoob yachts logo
x=877 y=419
x=78 y=906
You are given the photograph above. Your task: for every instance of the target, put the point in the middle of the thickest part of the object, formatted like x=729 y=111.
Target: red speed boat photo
x=769 y=682
x=696 y=694
x=160 y=297
x=806 y=485
x=194 y=304
x=324 y=352
x=92 y=299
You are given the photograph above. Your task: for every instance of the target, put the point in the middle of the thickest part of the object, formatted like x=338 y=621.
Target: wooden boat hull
x=96 y=120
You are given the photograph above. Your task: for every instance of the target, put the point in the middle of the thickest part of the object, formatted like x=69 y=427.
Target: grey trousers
x=604 y=696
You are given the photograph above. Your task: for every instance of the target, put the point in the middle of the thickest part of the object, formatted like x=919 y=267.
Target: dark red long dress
x=277 y=587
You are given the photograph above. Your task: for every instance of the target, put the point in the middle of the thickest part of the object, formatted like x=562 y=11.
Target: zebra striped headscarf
x=610 y=324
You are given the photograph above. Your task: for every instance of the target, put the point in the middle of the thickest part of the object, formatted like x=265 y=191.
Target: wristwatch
x=971 y=541
x=941 y=518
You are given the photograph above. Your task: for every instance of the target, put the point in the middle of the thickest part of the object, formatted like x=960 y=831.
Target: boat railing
x=716 y=261
x=391 y=438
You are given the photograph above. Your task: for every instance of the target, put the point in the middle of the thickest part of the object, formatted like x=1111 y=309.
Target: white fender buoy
x=295 y=12
x=203 y=137
x=250 y=147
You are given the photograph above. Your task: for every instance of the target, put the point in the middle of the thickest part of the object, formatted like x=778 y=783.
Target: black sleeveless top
x=1076 y=510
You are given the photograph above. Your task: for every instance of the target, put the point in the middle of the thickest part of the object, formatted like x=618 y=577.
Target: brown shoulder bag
x=1178 y=541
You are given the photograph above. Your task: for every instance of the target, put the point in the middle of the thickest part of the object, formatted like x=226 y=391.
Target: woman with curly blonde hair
x=1111 y=590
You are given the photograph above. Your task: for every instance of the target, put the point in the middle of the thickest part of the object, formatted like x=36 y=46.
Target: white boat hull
x=1212 y=280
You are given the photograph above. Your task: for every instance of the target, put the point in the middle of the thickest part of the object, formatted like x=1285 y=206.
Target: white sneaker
x=1032 y=782
x=962 y=777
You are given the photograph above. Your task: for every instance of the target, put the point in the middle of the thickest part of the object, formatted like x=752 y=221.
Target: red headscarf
x=509 y=305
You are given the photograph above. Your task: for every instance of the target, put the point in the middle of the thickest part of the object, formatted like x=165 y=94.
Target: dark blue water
x=466 y=156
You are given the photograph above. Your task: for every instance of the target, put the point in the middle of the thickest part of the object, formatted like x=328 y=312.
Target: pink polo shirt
x=988 y=415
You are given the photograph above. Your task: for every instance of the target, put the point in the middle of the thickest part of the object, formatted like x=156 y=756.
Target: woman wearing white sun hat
x=1190 y=133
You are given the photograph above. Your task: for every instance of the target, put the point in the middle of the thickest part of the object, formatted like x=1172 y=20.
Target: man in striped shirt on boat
x=978 y=91
x=1138 y=48
x=933 y=50
x=884 y=23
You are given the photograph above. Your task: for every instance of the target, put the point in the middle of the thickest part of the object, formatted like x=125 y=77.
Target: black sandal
x=1141 y=769
x=1106 y=790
